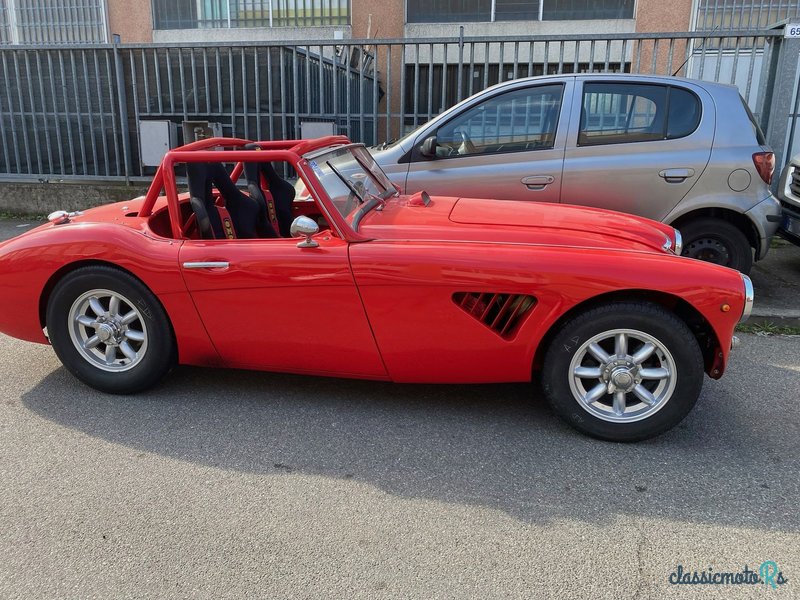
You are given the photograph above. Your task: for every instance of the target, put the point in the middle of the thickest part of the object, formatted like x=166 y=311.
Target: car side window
x=613 y=113
x=516 y=121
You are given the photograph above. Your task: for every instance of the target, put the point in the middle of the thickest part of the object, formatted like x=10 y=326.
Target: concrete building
x=198 y=21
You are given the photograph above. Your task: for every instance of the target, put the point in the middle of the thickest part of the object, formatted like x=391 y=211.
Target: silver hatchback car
x=688 y=153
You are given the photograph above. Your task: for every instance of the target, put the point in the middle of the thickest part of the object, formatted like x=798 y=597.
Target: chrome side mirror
x=303 y=226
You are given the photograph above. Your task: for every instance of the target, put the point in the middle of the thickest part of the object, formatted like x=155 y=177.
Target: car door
x=636 y=146
x=509 y=146
x=269 y=304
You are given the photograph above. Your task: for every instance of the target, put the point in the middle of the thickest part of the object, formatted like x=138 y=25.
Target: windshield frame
x=367 y=199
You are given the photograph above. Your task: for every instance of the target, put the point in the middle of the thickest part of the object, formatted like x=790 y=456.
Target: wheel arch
x=740 y=220
x=49 y=286
x=697 y=323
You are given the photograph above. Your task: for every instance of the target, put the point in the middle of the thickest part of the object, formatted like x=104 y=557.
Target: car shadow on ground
x=497 y=446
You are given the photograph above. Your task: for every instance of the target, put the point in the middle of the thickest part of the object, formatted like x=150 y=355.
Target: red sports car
x=360 y=281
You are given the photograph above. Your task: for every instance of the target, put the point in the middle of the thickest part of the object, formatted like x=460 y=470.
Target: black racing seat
x=248 y=215
x=281 y=192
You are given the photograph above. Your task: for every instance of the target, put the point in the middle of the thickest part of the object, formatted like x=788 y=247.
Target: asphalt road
x=232 y=484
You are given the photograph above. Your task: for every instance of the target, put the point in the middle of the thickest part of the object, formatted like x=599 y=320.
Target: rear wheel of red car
x=623 y=372
x=109 y=330
x=719 y=242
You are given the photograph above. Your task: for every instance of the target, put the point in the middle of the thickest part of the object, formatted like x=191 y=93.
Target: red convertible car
x=360 y=281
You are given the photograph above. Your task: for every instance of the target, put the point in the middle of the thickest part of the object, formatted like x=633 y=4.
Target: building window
x=722 y=15
x=563 y=10
x=460 y=11
x=48 y=22
x=214 y=14
x=448 y=11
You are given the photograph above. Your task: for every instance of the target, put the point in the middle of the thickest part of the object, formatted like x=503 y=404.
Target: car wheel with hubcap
x=109 y=330
x=623 y=372
x=718 y=242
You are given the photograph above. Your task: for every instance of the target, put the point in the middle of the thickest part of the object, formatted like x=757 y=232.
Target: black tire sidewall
x=728 y=234
x=160 y=354
x=644 y=317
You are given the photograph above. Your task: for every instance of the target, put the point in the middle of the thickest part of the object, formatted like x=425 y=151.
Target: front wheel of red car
x=623 y=372
x=109 y=330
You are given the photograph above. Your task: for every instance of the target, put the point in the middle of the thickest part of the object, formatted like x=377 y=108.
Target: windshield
x=353 y=181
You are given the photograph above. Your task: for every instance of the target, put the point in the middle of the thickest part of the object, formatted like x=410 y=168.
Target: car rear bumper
x=766 y=215
x=790 y=224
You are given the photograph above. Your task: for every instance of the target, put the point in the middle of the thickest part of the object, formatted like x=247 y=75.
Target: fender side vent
x=502 y=313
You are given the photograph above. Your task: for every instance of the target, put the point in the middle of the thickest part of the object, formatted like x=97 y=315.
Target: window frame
x=419 y=158
x=668 y=87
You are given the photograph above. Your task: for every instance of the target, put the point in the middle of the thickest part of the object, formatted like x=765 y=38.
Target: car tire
x=109 y=330
x=717 y=241
x=587 y=358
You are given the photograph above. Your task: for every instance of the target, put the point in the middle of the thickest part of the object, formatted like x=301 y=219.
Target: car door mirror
x=304 y=227
x=428 y=147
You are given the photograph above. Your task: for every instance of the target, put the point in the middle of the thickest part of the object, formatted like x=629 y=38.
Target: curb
x=777 y=316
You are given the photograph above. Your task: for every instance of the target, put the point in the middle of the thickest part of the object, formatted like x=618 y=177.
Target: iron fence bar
x=65 y=97
x=123 y=114
x=81 y=144
x=101 y=112
x=575 y=65
x=43 y=100
x=3 y=127
x=736 y=61
x=402 y=99
x=388 y=94
x=271 y=112
x=157 y=72
x=112 y=112
x=374 y=100
x=335 y=86
x=54 y=97
x=430 y=81
x=170 y=86
x=89 y=110
x=245 y=118
x=460 y=74
x=22 y=113
x=416 y=84
x=182 y=84
x=561 y=57
x=669 y=56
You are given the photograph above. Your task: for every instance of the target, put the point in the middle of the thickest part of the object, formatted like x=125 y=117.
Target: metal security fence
x=79 y=112
x=53 y=21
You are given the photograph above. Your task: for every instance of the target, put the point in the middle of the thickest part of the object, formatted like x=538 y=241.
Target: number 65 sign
x=792 y=30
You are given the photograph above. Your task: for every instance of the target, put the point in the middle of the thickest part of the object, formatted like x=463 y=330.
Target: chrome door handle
x=676 y=175
x=206 y=264
x=537 y=182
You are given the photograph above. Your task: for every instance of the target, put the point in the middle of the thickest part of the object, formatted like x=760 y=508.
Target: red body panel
x=283 y=308
x=424 y=336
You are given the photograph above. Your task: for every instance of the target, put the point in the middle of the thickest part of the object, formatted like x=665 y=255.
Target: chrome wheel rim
x=622 y=375
x=108 y=330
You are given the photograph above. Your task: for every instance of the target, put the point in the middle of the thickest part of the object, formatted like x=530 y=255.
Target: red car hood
x=514 y=221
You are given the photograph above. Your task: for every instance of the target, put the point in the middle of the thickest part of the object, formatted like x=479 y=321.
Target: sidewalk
x=776 y=279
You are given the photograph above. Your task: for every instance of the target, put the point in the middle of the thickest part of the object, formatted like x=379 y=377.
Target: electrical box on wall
x=200 y=130
x=315 y=129
x=155 y=139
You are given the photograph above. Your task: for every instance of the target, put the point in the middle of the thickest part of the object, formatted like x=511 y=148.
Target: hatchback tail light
x=765 y=165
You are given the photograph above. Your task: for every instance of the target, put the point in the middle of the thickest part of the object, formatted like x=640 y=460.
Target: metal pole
x=123 y=110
